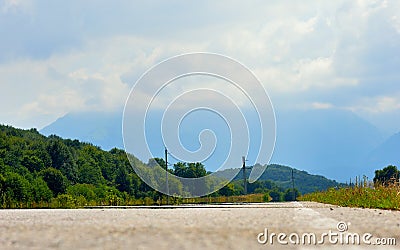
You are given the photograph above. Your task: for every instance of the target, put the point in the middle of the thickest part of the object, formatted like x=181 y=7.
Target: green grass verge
x=365 y=196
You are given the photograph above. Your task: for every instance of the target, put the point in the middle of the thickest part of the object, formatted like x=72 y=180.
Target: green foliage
x=189 y=170
x=32 y=163
x=2 y=184
x=40 y=191
x=39 y=171
x=90 y=174
x=387 y=176
x=276 y=195
x=55 y=180
x=82 y=190
x=65 y=201
x=123 y=181
x=291 y=195
x=156 y=161
x=195 y=170
x=17 y=188
x=62 y=158
x=266 y=197
x=282 y=177
x=228 y=190
x=363 y=194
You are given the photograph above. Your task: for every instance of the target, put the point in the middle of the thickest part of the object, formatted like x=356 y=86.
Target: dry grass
x=363 y=194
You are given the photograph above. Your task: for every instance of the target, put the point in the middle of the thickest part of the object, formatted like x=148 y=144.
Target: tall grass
x=363 y=193
x=68 y=201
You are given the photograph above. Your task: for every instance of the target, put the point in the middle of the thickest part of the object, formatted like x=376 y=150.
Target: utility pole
x=294 y=194
x=166 y=174
x=244 y=174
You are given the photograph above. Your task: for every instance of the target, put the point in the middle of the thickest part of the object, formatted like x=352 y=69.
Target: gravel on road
x=229 y=226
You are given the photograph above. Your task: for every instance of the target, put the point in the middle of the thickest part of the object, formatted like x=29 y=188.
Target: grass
x=249 y=198
x=67 y=201
x=363 y=194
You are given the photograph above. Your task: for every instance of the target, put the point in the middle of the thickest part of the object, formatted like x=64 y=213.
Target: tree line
x=40 y=171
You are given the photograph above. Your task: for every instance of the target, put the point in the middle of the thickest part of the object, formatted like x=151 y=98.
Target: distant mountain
x=102 y=129
x=388 y=153
x=330 y=142
x=303 y=181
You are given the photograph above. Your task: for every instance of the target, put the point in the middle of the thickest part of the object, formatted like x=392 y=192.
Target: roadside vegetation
x=383 y=192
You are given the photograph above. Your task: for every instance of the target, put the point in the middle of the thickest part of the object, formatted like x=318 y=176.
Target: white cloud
x=16 y=5
x=382 y=111
x=396 y=23
x=87 y=57
x=320 y=105
x=307 y=26
x=304 y=75
x=379 y=104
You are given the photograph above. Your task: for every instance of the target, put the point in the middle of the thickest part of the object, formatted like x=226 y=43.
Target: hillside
x=304 y=182
x=333 y=143
x=43 y=171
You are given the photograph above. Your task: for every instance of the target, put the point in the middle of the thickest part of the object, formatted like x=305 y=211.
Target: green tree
x=90 y=162
x=40 y=190
x=66 y=201
x=389 y=174
x=2 y=189
x=33 y=163
x=291 y=195
x=180 y=169
x=62 y=159
x=276 y=195
x=189 y=170
x=90 y=174
x=123 y=181
x=17 y=187
x=228 y=190
x=196 y=170
x=55 y=180
x=85 y=190
x=157 y=161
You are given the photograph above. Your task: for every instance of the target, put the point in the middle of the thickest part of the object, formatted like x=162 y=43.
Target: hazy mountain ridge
x=102 y=129
x=282 y=176
x=329 y=142
x=388 y=153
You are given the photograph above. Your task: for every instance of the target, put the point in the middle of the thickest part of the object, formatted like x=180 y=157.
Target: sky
x=59 y=57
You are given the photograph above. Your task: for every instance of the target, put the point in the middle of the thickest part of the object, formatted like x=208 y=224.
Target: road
x=198 y=227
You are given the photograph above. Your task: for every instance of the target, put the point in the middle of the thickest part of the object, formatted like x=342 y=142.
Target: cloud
x=396 y=22
x=382 y=111
x=58 y=85
x=16 y=6
x=319 y=105
x=379 y=104
x=70 y=56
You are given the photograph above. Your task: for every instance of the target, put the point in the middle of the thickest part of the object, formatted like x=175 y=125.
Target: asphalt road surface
x=245 y=226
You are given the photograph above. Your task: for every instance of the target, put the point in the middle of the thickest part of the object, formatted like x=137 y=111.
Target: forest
x=51 y=172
